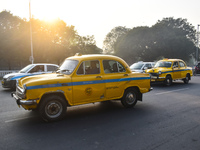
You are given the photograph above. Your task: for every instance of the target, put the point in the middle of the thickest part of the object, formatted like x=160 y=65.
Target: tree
x=170 y=38
x=174 y=38
x=134 y=45
x=112 y=37
x=52 y=41
x=10 y=38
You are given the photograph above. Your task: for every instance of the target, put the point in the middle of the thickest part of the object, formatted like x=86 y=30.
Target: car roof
x=43 y=64
x=93 y=56
x=142 y=62
x=166 y=59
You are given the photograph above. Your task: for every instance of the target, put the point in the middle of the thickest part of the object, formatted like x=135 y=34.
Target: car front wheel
x=52 y=108
x=130 y=98
x=168 y=80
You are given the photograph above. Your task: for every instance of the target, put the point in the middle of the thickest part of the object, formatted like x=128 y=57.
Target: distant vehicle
x=169 y=70
x=9 y=80
x=197 y=69
x=141 y=66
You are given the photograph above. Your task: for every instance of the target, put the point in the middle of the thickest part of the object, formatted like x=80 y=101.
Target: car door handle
x=98 y=76
x=125 y=74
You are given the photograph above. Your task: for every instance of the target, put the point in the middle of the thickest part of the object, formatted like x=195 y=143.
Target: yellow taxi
x=167 y=70
x=79 y=80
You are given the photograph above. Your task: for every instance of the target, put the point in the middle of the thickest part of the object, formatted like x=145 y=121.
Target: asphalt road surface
x=167 y=119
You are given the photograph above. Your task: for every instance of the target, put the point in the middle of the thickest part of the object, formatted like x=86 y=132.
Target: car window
x=175 y=64
x=112 y=66
x=166 y=64
x=51 y=68
x=148 y=66
x=67 y=66
x=181 y=64
x=89 y=67
x=25 y=69
x=136 y=66
x=37 y=68
x=153 y=64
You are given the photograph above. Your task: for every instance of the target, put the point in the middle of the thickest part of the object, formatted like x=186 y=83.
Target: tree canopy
x=52 y=41
x=169 y=38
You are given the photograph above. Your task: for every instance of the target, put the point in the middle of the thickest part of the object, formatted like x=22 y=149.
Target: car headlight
x=21 y=91
x=160 y=72
x=9 y=78
x=17 y=82
x=24 y=89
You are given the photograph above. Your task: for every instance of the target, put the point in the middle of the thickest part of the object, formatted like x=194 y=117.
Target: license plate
x=2 y=82
x=153 y=80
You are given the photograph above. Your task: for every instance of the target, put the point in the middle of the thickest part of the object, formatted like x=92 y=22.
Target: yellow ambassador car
x=167 y=70
x=79 y=80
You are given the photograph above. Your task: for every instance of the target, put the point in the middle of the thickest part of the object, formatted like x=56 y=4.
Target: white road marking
x=8 y=121
x=171 y=91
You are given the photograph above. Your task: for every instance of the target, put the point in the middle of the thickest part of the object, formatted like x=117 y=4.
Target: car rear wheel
x=130 y=98
x=187 y=78
x=52 y=108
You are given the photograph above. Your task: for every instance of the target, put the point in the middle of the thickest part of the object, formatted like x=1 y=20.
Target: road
x=167 y=119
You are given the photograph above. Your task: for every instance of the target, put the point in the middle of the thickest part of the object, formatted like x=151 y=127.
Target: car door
x=115 y=78
x=182 y=69
x=88 y=84
x=176 y=70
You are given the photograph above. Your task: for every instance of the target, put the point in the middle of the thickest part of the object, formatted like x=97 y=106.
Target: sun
x=45 y=10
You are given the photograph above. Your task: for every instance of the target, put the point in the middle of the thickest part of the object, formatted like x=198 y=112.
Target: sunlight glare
x=45 y=10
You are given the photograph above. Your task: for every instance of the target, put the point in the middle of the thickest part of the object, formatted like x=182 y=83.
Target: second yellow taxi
x=167 y=70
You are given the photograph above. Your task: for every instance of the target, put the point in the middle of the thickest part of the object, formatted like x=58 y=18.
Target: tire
x=130 y=98
x=186 y=80
x=168 y=80
x=52 y=108
x=194 y=73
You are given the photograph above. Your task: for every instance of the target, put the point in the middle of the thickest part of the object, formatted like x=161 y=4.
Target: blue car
x=9 y=80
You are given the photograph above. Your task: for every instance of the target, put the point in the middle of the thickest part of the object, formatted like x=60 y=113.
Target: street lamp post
x=31 y=40
x=197 y=50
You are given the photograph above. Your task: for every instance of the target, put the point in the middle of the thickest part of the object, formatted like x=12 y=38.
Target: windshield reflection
x=136 y=66
x=166 y=64
x=67 y=66
x=25 y=69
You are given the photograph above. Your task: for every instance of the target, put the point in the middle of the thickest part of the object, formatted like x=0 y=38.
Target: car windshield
x=166 y=64
x=25 y=69
x=136 y=66
x=67 y=66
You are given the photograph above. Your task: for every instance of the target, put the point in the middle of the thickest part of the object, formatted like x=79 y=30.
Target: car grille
x=154 y=74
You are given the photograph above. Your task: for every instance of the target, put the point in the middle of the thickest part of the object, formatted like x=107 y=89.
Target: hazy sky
x=98 y=17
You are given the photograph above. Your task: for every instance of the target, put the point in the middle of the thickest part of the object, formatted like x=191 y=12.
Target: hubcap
x=130 y=98
x=53 y=109
x=168 y=81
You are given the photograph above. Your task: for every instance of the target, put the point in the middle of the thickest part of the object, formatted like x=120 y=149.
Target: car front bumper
x=19 y=101
x=157 y=78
